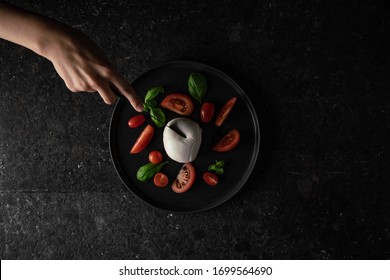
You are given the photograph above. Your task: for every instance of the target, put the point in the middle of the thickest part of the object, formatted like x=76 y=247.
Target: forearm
x=79 y=62
x=25 y=28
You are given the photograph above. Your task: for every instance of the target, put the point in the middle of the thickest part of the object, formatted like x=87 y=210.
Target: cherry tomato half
x=185 y=178
x=210 y=178
x=136 y=121
x=179 y=103
x=228 y=142
x=155 y=157
x=160 y=180
x=207 y=112
x=224 y=112
x=143 y=140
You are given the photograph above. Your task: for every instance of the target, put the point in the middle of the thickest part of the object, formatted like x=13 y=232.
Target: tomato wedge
x=224 y=112
x=179 y=103
x=160 y=180
x=143 y=140
x=228 y=142
x=136 y=121
x=210 y=178
x=185 y=178
x=207 y=112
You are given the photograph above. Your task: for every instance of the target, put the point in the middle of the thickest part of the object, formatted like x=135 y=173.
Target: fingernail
x=139 y=107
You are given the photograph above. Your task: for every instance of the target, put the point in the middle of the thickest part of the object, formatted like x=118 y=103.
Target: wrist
x=40 y=34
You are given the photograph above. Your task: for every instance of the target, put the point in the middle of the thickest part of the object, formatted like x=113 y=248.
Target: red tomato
x=143 y=140
x=136 y=121
x=185 y=178
x=207 y=112
x=222 y=115
x=160 y=180
x=228 y=142
x=210 y=178
x=179 y=103
x=155 y=157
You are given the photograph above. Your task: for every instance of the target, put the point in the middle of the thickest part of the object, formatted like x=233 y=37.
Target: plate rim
x=254 y=157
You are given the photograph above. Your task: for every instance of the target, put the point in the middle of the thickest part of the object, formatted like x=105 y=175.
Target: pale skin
x=77 y=60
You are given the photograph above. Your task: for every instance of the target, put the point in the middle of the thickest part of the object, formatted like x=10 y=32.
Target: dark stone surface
x=317 y=73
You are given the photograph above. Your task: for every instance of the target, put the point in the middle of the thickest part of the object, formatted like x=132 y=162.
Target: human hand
x=79 y=62
x=83 y=66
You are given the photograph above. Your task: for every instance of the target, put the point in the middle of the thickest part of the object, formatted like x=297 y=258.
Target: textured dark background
x=317 y=73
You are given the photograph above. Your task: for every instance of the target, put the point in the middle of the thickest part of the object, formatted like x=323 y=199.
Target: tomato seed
x=179 y=104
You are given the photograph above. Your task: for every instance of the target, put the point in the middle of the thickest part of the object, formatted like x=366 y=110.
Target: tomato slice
x=185 y=178
x=155 y=157
x=207 y=112
x=160 y=180
x=228 y=142
x=143 y=140
x=136 y=121
x=224 y=112
x=179 y=103
x=210 y=178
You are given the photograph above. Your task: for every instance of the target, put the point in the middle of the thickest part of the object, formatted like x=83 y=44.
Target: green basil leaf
x=148 y=170
x=152 y=93
x=219 y=171
x=219 y=164
x=146 y=108
x=217 y=167
x=151 y=103
x=158 y=117
x=197 y=86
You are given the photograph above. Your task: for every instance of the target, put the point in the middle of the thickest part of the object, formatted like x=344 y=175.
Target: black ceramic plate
x=238 y=163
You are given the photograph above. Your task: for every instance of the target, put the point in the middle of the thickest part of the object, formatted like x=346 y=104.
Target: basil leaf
x=219 y=171
x=197 y=86
x=217 y=167
x=146 y=108
x=151 y=103
x=152 y=93
x=158 y=117
x=219 y=164
x=148 y=170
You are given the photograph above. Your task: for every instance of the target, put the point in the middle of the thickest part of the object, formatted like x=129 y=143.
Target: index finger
x=128 y=91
